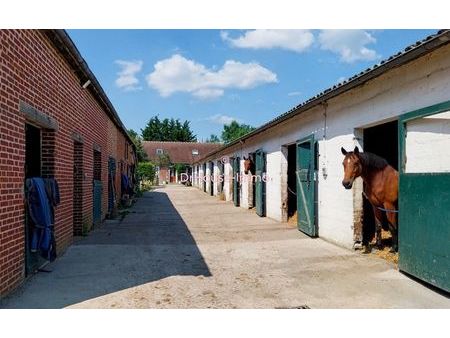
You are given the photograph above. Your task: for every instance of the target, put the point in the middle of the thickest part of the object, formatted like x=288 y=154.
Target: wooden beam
x=37 y=117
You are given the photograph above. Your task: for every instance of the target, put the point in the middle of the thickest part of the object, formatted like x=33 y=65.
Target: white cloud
x=350 y=44
x=297 y=40
x=208 y=93
x=341 y=79
x=294 y=94
x=178 y=74
x=222 y=119
x=127 y=79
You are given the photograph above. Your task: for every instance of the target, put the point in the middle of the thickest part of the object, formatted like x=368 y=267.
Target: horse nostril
x=347 y=185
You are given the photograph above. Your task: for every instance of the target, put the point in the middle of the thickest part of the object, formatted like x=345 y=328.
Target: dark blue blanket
x=40 y=206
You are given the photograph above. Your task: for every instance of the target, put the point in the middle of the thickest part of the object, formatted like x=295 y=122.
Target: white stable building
x=398 y=109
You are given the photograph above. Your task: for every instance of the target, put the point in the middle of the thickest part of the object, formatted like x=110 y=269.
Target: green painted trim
x=415 y=114
x=309 y=138
x=313 y=231
x=430 y=110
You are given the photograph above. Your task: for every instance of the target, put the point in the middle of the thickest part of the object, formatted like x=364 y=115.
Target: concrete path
x=180 y=248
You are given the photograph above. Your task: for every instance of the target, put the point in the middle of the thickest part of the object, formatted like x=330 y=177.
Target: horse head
x=249 y=165
x=352 y=167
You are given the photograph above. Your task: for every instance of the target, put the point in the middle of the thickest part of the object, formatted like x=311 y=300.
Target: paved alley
x=181 y=248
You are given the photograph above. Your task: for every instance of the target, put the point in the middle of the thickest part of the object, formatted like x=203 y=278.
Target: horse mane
x=373 y=161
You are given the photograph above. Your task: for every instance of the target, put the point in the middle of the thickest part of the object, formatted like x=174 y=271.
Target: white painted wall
x=427 y=145
x=228 y=186
x=216 y=173
x=208 y=178
x=419 y=84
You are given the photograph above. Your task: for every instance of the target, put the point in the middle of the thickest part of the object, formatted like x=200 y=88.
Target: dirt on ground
x=385 y=253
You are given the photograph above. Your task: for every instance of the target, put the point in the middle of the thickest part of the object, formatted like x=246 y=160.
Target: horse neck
x=368 y=174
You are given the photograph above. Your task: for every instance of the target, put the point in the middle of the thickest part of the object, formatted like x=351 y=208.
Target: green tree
x=137 y=140
x=146 y=170
x=235 y=130
x=180 y=168
x=213 y=139
x=168 y=130
x=163 y=160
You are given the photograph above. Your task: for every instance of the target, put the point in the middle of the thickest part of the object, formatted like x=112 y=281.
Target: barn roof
x=179 y=152
x=410 y=53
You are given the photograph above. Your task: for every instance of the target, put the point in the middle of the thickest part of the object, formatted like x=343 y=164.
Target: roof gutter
x=64 y=44
x=410 y=53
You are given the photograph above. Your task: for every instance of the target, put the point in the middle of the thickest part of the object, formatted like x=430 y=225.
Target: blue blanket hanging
x=42 y=197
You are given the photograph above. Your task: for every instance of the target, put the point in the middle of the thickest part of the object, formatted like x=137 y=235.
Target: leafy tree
x=163 y=160
x=146 y=170
x=168 y=130
x=213 y=139
x=137 y=140
x=152 y=131
x=235 y=130
x=180 y=168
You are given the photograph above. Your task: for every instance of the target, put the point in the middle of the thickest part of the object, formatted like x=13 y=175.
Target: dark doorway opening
x=292 y=184
x=33 y=168
x=204 y=177
x=97 y=188
x=222 y=176
x=33 y=151
x=381 y=140
x=77 y=189
x=211 y=178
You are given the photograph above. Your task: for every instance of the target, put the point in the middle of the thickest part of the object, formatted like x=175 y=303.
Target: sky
x=212 y=77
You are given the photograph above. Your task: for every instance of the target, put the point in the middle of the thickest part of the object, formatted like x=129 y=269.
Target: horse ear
x=344 y=152
x=245 y=158
x=356 y=151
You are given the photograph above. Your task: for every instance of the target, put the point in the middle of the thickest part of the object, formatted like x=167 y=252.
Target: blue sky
x=213 y=76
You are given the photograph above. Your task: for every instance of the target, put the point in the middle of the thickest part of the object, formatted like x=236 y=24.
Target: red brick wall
x=33 y=71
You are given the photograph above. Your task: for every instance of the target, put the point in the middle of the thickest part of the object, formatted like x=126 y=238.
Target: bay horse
x=249 y=165
x=380 y=188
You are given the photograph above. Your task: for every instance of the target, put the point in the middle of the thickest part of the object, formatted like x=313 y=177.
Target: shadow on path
x=151 y=243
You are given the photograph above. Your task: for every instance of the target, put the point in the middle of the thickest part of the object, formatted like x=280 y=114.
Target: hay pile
x=292 y=221
x=384 y=253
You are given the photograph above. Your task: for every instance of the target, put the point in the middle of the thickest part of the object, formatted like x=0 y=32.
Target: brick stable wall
x=33 y=71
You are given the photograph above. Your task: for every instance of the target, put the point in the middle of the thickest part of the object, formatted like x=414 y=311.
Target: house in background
x=167 y=155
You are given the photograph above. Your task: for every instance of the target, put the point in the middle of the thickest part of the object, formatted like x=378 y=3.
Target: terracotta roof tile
x=179 y=152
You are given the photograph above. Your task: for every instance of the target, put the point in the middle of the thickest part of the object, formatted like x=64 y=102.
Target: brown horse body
x=380 y=187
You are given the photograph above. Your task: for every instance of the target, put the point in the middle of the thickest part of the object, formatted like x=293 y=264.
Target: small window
x=194 y=151
x=159 y=151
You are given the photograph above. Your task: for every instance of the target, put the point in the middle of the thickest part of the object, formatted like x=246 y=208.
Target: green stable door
x=260 y=184
x=424 y=195
x=306 y=186
x=236 y=176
